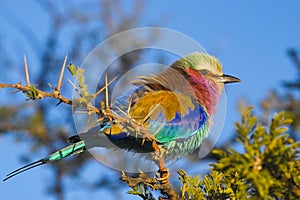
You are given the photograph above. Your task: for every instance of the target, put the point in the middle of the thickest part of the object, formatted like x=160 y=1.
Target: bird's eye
x=204 y=71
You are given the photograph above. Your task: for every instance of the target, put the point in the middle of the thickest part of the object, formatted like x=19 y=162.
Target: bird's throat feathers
x=205 y=90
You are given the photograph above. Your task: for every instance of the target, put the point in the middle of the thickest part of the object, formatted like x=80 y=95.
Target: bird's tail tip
x=24 y=168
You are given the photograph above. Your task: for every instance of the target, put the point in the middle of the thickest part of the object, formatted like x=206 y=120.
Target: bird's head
x=207 y=66
x=204 y=74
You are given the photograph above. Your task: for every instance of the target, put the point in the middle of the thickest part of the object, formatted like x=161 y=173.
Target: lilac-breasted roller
x=174 y=109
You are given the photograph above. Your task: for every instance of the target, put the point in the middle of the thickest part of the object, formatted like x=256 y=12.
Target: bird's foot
x=162 y=175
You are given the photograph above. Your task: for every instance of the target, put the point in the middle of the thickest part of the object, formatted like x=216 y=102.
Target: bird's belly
x=182 y=147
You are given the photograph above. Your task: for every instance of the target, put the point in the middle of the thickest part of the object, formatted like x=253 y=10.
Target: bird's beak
x=228 y=79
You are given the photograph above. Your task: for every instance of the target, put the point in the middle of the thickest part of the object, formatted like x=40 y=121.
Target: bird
x=168 y=114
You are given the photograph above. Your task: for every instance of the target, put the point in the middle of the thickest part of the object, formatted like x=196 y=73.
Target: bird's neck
x=205 y=90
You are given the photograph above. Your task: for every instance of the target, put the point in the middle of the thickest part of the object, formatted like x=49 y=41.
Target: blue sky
x=250 y=38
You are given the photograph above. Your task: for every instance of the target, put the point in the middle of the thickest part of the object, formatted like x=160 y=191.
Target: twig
x=149 y=114
x=129 y=106
x=41 y=94
x=106 y=92
x=104 y=87
x=75 y=88
x=26 y=71
x=61 y=74
x=34 y=93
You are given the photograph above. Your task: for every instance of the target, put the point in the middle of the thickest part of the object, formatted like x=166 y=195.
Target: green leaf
x=32 y=93
x=72 y=69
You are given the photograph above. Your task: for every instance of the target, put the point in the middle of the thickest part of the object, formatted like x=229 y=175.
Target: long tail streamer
x=67 y=151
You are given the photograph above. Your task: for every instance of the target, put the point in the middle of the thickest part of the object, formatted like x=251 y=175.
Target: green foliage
x=142 y=191
x=268 y=167
x=213 y=186
x=72 y=69
x=85 y=97
x=78 y=74
x=32 y=94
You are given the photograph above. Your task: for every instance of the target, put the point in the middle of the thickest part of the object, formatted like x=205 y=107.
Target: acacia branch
x=40 y=94
x=163 y=186
x=33 y=93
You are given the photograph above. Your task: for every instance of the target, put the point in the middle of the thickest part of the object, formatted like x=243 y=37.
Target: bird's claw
x=162 y=175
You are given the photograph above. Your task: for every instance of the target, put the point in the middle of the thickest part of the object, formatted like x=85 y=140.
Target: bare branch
x=41 y=94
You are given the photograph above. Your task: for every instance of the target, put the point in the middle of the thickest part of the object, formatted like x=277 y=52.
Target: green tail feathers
x=73 y=149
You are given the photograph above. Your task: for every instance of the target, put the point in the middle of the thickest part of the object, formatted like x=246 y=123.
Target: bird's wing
x=112 y=136
x=168 y=115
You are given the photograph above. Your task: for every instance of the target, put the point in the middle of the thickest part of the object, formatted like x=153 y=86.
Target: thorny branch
x=164 y=187
x=39 y=93
x=34 y=93
x=160 y=183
